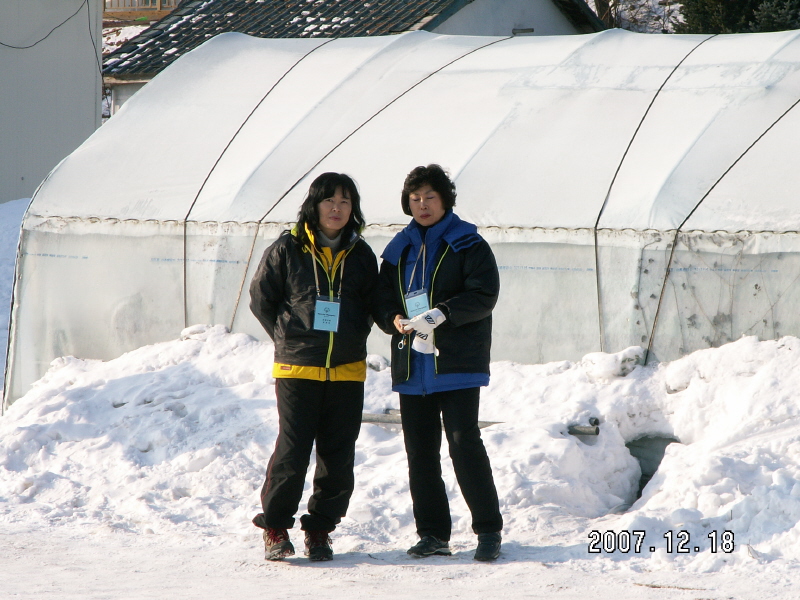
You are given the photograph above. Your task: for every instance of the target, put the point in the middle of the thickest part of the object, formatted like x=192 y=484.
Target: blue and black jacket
x=462 y=280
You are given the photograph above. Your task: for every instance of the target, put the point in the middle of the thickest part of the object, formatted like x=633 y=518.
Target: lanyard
x=314 y=260
x=414 y=270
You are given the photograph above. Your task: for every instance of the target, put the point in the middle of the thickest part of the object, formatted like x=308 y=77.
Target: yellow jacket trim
x=356 y=371
x=326 y=256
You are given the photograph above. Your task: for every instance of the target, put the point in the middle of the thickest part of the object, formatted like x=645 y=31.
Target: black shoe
x=276 y=544
x=488 y=546
x=429 y=545
x=318 y=545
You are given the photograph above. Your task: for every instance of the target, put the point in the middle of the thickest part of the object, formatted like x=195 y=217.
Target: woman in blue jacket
x=437 y=287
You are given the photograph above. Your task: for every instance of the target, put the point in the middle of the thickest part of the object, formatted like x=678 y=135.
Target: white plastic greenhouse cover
x=636 y=189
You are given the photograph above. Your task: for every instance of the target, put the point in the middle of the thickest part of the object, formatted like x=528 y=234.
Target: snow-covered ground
x=138 y=477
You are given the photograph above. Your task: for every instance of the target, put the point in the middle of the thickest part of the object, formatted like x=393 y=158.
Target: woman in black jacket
x=313 y=294
x=438 y=285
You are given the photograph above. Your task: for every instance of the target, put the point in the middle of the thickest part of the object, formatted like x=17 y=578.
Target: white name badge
x=326 y=314
x=417 y=303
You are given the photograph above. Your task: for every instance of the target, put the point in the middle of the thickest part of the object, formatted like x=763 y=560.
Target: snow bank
x=173 y=439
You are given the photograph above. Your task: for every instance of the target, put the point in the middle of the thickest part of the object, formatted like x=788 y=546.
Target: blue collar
x=456 y=233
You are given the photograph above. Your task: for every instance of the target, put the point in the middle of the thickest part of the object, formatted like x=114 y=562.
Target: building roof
x=195 y=21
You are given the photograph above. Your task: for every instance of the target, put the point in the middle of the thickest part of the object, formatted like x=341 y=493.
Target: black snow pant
x=422 y=431
x=328 y=412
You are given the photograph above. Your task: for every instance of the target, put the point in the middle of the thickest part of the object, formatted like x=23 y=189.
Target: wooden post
x=391 y=416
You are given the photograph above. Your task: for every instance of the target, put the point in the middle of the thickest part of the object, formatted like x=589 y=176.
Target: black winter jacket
x=465 y=287
x=283 y=296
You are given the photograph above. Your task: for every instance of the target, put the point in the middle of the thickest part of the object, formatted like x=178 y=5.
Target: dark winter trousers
x=422 y=431
x=328 y=412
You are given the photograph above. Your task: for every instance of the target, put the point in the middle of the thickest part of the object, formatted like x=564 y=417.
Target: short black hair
x=324 y=187
x=434 y=176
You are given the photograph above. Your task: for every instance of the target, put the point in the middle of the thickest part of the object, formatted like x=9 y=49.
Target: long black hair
x=324 y=187
x=434 y=176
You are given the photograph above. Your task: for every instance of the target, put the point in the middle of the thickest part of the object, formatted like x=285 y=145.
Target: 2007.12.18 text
x=634 y=541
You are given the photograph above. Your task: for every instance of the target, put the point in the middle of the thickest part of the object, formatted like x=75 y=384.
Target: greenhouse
x=637 y=190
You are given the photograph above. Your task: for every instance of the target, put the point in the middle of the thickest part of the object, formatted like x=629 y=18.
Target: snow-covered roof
x=196 y=21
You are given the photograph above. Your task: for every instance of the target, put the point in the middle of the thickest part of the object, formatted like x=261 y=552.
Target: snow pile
x=174 y=438
x=130 y=443
x=737 y=411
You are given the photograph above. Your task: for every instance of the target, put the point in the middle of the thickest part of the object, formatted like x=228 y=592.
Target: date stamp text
x=625 y=541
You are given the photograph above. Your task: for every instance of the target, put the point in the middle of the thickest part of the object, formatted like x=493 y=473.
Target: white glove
x=423 y=343
x=425 y=322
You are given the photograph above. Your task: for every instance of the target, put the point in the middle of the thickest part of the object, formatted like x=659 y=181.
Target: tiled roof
x=195 y=21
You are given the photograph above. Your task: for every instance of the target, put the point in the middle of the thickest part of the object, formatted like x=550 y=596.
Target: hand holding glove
x=424 y=323
x=423 y=343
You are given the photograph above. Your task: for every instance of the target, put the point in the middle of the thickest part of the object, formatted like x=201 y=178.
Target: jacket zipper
x=405 y=307
x=330 y=292
x=402 y=298
x=433 y=333
x=330 y=333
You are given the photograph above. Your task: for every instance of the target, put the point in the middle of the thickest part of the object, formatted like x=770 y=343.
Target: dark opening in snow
x=649 y=451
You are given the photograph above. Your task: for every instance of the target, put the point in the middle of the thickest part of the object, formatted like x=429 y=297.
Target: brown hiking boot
x=277 y=544
x=318 y=545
